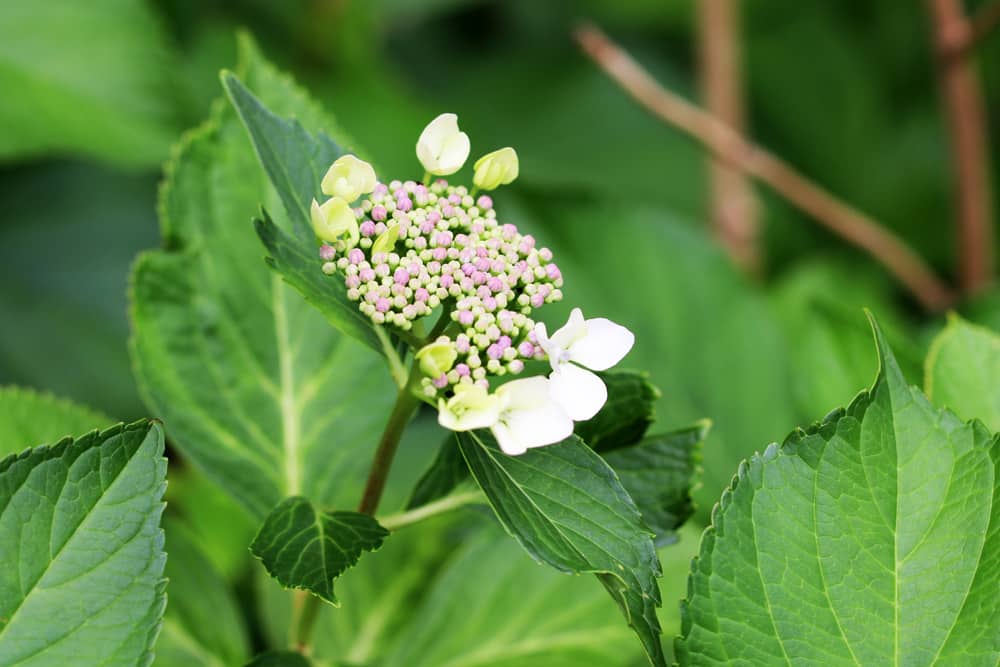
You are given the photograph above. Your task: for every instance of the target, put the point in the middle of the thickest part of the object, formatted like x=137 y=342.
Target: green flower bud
x=437 y=358
x=495 y=169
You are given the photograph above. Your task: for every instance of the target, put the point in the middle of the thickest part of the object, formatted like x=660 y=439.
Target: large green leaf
x=963 y=372
x=28 y=418
x=523 y=615
x=871 y=538
x=202 y=625
x=658 y=472
x=566 y=507
x=84 y=77
x=295 y=161
x=81 y=549
x=307 y=548
x=256 y=387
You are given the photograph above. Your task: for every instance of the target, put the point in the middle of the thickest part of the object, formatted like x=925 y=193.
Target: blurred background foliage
x=94 y=94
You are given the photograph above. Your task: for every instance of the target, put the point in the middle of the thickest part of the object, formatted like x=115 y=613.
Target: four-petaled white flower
x=596 y=344
x=521 y=414
x=442 y=148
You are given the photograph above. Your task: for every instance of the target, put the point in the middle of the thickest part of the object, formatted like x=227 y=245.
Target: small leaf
x=871 y=538
x=296 y=160
x=28 y=418
x=306 y=548
x=279 y=659
x=963 y=372
x=82 y=550
x=657 y=472
x=625 y=416
x=566 y=507
x=447 y=471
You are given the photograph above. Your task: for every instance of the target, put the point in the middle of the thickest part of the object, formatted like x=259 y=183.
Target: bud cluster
x=422 y=247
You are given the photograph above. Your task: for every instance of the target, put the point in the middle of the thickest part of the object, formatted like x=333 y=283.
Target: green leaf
x=82 y=549
x=566 y=507
x=90 y=78
x=871 y=538
x=627 y=414
x=963 y=372
x=306 y=548
x=202 y=625
x=658 y=474
x=256 y=387
x=296 y=160
x=524 y=615
x=279 y=659
x=29 y=418
x=447 y=471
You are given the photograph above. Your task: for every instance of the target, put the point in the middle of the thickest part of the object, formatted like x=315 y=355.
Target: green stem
x=406 y=405
x=305 y=611
x=446 y=504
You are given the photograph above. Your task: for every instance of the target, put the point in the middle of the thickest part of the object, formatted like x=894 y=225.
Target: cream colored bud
x=348 y=178
x=333 y=220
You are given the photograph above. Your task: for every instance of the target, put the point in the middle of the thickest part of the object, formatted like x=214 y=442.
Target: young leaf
x=306 y=548
x=447 y=471
x=82 y=549
x=203 y=624
x=872 y=538
x=28 y=418
x=657 y=472
x=963 y=372
x=566 y=507
x=295 y=160
x=627 y=414
x=257 y=388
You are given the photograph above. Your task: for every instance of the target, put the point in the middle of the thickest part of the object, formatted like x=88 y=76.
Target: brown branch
x=733 y=209
x=963 y=38
x=729 y=145
x=962 y=98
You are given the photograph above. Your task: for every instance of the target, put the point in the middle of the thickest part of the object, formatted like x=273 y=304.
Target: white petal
x=545 y=423
x=604 y=345
x=454 y=153
x=524 y=394
x=427 y=157
x=438 y=130
x=573 y=330
x=580 y=393
x=541 y=335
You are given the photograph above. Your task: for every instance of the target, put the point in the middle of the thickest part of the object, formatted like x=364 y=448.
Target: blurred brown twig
x=962 y=98
x=733 y=209
x=729 y=145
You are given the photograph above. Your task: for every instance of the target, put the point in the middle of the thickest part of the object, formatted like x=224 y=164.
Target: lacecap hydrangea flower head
x=407 y=250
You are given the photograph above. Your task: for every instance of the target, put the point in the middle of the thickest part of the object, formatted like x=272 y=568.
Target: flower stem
x=307 y=608
x=446 y=504
x=406 y=405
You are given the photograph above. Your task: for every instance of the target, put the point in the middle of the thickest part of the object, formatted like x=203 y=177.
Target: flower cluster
x=406 y=250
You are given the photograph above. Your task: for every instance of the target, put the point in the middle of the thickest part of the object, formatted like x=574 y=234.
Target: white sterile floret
x=442 y=148
x=529 y=417
x=333 y=219
x=596 y=344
